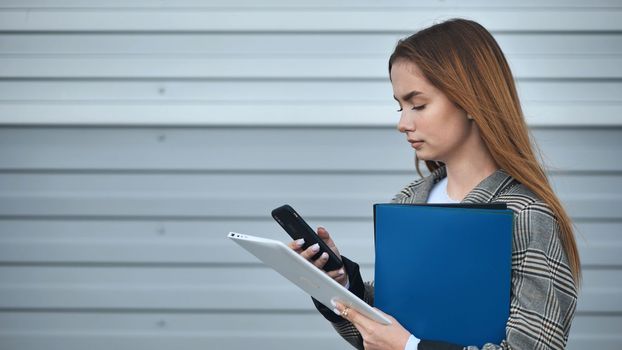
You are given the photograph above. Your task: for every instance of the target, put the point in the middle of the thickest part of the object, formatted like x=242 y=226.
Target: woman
x=461 y=113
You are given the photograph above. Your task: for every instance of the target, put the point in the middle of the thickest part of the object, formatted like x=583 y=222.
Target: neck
x=462 y=178
x=469 y=169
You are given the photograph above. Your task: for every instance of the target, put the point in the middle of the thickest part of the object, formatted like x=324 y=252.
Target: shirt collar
x=484 y=192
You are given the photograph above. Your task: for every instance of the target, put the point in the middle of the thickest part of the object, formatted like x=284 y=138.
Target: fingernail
x=337 y=311
x=315 y=247
x=333 y=303
x=324 y=255
x=300 y=242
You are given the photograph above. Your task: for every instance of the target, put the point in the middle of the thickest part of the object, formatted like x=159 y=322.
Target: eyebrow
x=409 y=95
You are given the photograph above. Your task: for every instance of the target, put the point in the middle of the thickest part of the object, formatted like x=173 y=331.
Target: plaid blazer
x=543 y=296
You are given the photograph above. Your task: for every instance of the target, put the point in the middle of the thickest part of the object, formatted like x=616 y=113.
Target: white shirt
x=437 y=195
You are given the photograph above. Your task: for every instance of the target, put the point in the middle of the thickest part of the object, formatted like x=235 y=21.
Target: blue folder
x=444 y=271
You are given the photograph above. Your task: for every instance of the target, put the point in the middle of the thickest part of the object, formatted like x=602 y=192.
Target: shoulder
x=519 y=198
x=535 y=224
x=526 y=204
x=409 y=192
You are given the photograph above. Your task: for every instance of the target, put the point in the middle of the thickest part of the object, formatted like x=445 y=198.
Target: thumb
x=321 y=231
x=384 y=314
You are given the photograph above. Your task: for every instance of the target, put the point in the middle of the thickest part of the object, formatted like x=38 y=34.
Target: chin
x=426 y=157
x=422 y=156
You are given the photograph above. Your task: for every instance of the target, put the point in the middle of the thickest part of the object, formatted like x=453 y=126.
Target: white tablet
x=304 y=274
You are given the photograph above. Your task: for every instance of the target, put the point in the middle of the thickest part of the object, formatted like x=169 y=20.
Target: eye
x=416 y=108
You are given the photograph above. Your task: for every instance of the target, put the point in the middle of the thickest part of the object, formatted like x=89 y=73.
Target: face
x=434 y=126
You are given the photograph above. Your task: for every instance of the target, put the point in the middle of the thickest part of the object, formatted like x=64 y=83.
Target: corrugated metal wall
x=134 y=135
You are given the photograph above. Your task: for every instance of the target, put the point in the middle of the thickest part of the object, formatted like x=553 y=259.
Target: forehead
x=406 y=76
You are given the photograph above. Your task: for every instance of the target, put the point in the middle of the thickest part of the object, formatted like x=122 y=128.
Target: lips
x=416 y=144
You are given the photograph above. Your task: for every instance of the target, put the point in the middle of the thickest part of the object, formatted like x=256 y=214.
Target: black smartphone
x=297 y=228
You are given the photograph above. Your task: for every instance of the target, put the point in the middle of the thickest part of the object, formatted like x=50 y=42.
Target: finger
x=297 y=245
x=310 y=252
x=321 y=261
x=339 y=275
x=323 y=233
x=352 y=318
x=337 y=307
x=360 y=321
x=380 y=311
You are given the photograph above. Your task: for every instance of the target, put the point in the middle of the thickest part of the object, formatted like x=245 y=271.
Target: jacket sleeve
x=544 y=295
x=363 y=290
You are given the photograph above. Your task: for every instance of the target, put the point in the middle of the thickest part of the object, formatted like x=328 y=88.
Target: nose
x=406 y=123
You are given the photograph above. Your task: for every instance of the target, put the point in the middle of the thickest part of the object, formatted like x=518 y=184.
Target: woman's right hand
x=338 y=275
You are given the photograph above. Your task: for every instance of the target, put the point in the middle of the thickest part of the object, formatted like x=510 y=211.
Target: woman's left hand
x=377 y=336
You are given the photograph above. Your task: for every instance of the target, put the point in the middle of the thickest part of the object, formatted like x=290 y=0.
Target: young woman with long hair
x=461 y=113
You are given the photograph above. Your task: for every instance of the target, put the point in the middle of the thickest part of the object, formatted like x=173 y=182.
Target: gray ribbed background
x=134 y=135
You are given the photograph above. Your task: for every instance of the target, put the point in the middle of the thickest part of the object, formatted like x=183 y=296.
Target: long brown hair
x=463 y=60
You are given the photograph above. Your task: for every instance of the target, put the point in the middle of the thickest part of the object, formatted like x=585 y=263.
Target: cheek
x=446 y=125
